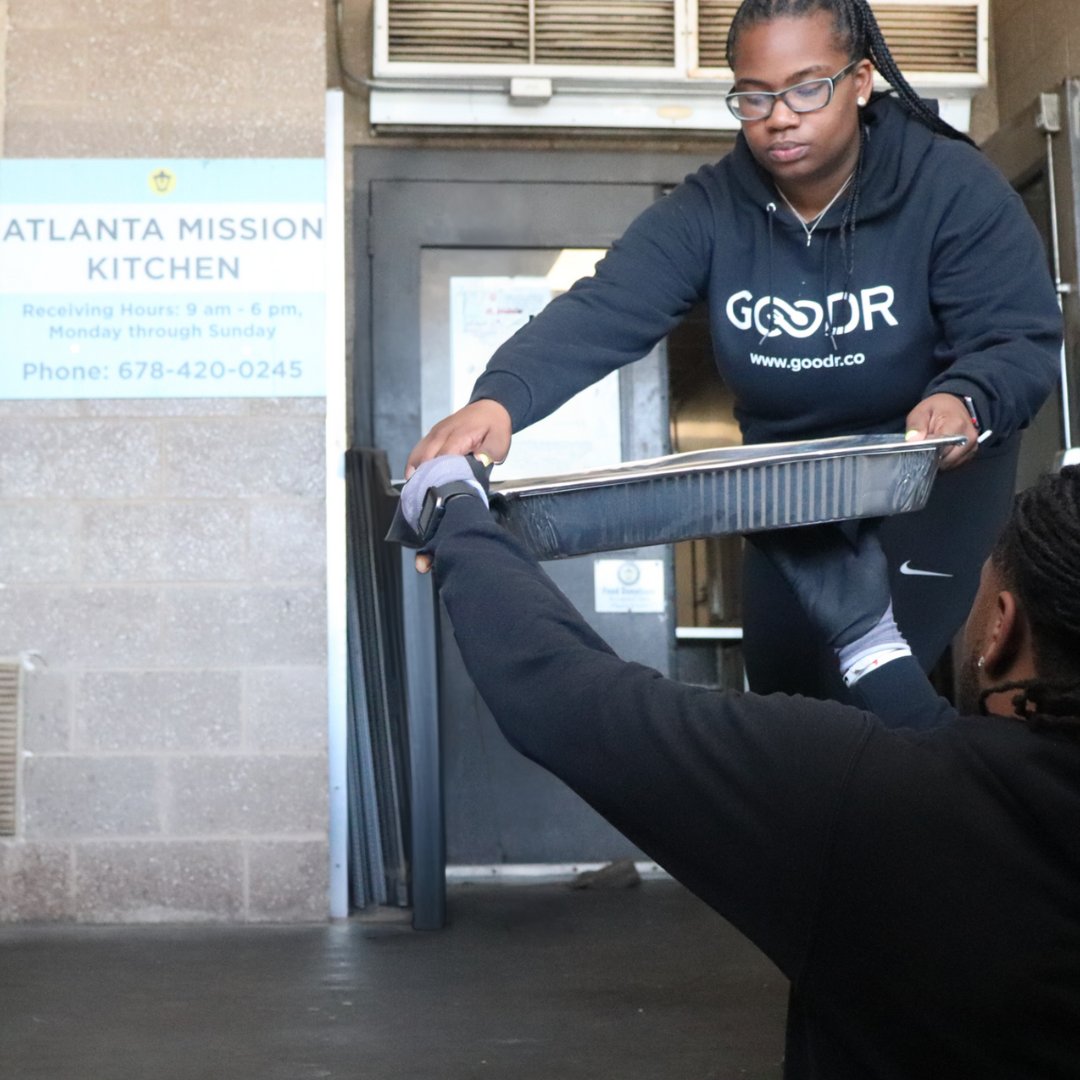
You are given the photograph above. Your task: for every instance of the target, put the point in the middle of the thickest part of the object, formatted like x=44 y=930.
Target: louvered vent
x=607 y=63
x=921 y=37
x=930 y=38
x=714 y=20
x=614 y=33
x=460 y=31
x=9 y=744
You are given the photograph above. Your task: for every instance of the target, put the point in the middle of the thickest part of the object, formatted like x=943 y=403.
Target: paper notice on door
x=584 y=433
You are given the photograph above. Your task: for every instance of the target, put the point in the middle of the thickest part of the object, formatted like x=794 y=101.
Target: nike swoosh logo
x=910 y=571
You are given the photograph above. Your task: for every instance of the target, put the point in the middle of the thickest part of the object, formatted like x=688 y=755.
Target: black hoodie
x=950 y=291
x=920 y=888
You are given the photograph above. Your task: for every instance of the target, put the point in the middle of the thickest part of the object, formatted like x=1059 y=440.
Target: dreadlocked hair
x=858 y=30
x=1038 y=558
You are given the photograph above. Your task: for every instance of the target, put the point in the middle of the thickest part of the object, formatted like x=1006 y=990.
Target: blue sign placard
x=148 y=279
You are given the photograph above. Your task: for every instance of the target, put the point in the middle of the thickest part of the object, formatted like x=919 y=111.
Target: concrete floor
x=527 y=983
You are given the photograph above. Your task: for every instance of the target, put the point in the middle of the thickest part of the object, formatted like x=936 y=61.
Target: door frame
x=1019 y=149
x=373 y=166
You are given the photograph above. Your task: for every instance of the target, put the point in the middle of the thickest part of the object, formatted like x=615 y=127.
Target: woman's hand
x=482 y=427
x=944 y=414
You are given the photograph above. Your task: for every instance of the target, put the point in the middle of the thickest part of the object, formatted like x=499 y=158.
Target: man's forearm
x=901 y=696
x=730 y=792
x=523 y=643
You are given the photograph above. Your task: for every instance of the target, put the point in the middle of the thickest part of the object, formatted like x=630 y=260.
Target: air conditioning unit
x=617 y=64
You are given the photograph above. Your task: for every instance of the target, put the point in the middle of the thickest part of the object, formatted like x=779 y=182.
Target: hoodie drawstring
x=852 y=186
x=830 y=330
x=770 y=211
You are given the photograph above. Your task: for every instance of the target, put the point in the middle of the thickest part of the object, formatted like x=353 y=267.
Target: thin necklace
x=810 y=226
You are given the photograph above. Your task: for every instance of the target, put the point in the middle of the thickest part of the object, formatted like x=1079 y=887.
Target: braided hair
x=1038 y=558
x=858 y=30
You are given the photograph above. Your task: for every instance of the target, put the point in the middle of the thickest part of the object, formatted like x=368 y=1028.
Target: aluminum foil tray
x=737 y=489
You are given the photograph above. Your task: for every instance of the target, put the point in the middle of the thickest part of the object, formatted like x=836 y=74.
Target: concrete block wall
x=189 y=78
x=3 y=61
x=162 y=566
x=1037 y=47
x=164 y=577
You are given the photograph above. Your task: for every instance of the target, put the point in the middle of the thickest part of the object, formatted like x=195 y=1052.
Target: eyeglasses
x=803 y=97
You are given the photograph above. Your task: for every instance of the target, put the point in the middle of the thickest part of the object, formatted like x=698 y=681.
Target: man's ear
x=1008 y=636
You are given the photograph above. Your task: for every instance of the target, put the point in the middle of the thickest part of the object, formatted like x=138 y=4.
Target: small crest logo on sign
x=162 y=181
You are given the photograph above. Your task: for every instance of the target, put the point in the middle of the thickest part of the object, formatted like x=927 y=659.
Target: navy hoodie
x=950 y=291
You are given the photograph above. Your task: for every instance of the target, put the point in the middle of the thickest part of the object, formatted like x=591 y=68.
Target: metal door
x=427 y=223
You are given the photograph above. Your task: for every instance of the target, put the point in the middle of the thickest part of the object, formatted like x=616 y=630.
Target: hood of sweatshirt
x=896 y=144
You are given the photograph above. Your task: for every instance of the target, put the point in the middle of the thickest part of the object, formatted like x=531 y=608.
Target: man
x=914 y=871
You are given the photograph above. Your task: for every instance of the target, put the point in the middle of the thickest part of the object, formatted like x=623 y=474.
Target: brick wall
x=162 y=565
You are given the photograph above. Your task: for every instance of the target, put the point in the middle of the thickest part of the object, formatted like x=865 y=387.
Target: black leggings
x=951 y=536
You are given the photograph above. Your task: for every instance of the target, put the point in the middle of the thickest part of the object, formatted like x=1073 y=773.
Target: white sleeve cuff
x=870 y=661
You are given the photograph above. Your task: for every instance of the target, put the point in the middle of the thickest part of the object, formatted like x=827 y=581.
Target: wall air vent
x=525 y=37
x=923 y=37
x=650 y=64
x=10 y=681
x=713 y=22
x=605 y=32
x=931 y=37
x=459 y=31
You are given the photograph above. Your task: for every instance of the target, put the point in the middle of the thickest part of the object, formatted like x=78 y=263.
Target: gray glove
x=425 y=494
x=841 y=577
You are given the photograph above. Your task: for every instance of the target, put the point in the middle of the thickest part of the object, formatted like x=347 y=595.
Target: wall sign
x=161 y=279
x=629 y=585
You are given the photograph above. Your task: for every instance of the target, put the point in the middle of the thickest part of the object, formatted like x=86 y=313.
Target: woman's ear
x=863 y=76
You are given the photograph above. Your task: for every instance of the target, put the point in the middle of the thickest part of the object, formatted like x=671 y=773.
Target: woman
x=866 y=270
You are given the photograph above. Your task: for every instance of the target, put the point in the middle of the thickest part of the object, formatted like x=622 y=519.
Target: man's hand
x=841 y=577
x=482 y=427
x=425 y=494
x=944 y=414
